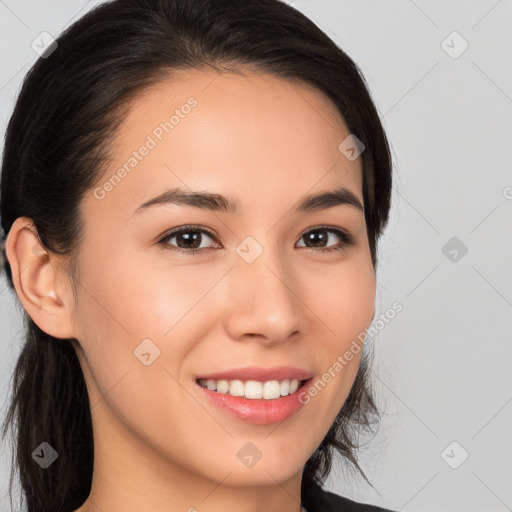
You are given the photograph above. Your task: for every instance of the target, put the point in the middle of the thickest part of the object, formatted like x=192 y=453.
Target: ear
x=41 y=284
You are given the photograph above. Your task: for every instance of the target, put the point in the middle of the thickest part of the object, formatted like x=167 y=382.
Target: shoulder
x=319 y=500
x=342 y=504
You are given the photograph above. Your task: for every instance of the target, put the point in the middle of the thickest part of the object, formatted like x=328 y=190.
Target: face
x=253 y=287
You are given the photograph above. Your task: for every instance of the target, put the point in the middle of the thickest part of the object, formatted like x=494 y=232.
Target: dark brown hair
x=71 y=102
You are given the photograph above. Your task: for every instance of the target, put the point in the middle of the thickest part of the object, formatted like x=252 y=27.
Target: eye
x=318 y=236
x=189 y=239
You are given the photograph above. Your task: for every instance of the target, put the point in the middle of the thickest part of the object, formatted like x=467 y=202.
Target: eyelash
x=345 y=237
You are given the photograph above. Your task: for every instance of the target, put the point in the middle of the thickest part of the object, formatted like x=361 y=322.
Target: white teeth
x=252 y=389
x=294 y=384
x=222 y=386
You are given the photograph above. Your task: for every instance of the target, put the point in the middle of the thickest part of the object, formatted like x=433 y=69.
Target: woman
x=192 y=194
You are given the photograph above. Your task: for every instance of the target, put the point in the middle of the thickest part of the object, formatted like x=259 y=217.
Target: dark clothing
x=319 y=500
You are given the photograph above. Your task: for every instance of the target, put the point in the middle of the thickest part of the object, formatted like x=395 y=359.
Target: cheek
x=345 y=305
x=140 y=297
x=344 y=300
x=125 y=301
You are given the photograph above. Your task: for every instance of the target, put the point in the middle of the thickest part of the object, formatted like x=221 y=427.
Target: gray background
x=442 y=366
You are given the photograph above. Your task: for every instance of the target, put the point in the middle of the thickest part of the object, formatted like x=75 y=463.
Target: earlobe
x=37 y=280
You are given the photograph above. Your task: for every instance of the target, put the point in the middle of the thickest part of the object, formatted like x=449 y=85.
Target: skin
x=159 y=444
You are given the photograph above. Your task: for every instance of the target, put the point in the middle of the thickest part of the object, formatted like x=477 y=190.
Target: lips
x=259 y=373
x=257 y=411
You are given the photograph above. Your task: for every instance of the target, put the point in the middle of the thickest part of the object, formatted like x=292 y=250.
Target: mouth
x=252 y=389
x=248 y=402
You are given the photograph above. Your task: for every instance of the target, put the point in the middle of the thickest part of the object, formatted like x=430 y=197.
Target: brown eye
x=319 y=238
x=188 y=239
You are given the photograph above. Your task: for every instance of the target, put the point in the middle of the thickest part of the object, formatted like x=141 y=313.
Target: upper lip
x=259 y=373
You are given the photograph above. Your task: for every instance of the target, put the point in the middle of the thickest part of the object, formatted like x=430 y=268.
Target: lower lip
x=260 y=412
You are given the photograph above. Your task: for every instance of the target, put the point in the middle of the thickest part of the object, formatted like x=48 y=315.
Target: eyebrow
x=220 y=203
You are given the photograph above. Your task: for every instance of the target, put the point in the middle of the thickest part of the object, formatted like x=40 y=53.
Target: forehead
x=246 y=134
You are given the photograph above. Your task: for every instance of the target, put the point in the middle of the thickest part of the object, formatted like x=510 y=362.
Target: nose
x=264 y=300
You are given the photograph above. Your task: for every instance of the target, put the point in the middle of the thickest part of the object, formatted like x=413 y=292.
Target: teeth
x=253 y=389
